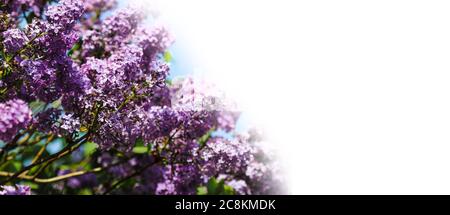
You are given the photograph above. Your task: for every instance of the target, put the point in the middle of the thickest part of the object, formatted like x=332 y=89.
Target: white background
x=355 y=94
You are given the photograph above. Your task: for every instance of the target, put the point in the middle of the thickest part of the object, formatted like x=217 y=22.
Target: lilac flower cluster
x=111 y=34
x=99 y=5
x=243 y=164
x=105 y=80
x=18 y=7
x=226 y=157
x=15 y=39
x=40 y=66
x=14 y=116
x=15 y=190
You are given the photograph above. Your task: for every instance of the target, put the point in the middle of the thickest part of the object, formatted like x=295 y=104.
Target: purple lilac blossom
x=19 y=7
x=226 y=157
x=15 y=190
x=112 y=33
x=14 y=40
x=42 y=80
x=102 y=5
x=179 y=179
x=14 y=116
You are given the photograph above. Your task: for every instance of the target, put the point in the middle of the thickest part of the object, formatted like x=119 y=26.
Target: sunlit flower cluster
x=99 y=86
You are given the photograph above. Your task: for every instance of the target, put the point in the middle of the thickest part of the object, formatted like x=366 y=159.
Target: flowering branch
x=97 y=88
x=64 y=152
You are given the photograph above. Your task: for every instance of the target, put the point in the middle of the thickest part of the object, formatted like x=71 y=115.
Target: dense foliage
x=86 y=107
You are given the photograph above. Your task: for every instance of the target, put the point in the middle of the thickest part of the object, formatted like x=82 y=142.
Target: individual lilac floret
x=14 y=116
x=15 y=190
x=14 y=40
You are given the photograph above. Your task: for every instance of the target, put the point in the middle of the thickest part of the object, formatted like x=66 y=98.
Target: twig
x=41 y=151
x=54 y=179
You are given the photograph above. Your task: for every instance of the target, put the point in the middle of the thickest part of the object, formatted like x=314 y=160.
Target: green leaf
x=228 y=190
x=85 y=192
x=139 y=142
x=140 y=149
x=204 y=139
x=32 y=185
x=56 y=104
x=215 y=187
x=168 y=57
x=202 y=190
x=89 y=148
x=64 y=167
x=37 y=106
x=17 y=165
x=128 y=184
x=212 y=185
x=75 y=47
x=220 y=187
